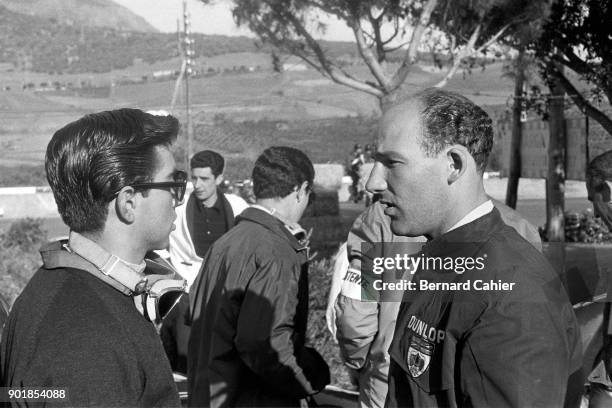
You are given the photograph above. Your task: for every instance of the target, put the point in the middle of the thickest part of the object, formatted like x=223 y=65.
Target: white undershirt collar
x=481 y=210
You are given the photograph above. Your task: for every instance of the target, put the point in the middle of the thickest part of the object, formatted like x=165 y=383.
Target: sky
x=209 y=19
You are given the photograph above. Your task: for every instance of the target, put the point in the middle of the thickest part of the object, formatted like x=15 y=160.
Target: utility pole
x=518 y=111
x=187 y=66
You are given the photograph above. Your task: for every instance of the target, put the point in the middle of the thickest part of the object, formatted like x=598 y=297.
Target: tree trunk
x=555 y=183
x=388 y=100
x=514 y=171
x=556 y=164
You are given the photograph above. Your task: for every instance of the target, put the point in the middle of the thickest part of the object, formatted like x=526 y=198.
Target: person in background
x=356 y=162
x=249 y=303
x=86 y=323
x=599 y=184
x=4 y=310
x=207 y=215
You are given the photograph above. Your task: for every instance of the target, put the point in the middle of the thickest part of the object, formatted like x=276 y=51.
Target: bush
x=19 y=260
x=583 y=227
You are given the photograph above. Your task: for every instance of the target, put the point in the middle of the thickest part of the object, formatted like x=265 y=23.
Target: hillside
x=60 y=37
x=86 y=13
x=38 y=44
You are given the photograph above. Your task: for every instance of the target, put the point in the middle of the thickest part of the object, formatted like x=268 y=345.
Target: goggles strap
x=113 y=271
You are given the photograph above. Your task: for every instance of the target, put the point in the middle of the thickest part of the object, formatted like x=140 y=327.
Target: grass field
x=28 y=119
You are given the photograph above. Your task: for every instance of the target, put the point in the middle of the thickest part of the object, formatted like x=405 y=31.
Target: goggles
x=159 y=295
x=154 y=293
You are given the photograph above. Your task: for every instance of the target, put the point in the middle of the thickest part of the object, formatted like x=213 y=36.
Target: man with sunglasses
x=249 y=303
x=85 y=324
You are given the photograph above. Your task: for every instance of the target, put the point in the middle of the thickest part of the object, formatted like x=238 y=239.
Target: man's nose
x=376 y=182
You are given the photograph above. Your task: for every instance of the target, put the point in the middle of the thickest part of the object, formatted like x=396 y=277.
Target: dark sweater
x=70 y=330
x=469 y=347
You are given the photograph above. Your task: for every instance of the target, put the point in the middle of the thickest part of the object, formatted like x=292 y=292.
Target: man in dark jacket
x=85 y=324
x=249 y=303
x=486 y=322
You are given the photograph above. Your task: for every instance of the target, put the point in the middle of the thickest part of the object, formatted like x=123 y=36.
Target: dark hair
x=279 y=170
x=449 y=118
x=601 y=167
x=91 y=159
x=208 y=158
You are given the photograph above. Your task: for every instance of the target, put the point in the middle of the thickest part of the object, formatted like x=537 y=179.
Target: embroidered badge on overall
x=419 y=355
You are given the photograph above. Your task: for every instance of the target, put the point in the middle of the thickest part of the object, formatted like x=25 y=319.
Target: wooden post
x=557 y=147
x=555 y=185
x=514 y=168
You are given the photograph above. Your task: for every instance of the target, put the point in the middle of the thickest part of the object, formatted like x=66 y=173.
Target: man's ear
x=125 y=205
x=219 y=179
x=302 y=192
x=457 y=159
x=606 y=192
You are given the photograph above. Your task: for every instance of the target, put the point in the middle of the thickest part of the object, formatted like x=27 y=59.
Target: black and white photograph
x=306 y=203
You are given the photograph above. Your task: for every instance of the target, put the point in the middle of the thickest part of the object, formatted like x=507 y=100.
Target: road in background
x=532 y=209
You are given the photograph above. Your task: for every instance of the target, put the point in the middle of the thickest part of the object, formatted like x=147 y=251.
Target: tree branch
x=461 y=55
x=395 y=32
x=572 y=61
x=494 y=38
x=397 y=47
x=411 y=54
x=576 y=64
x=369 y=58
x=582 y=103
x=378 y=43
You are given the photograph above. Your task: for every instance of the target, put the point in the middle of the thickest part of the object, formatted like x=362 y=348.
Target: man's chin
x=162 y=245
x=202 y=196
x=398 y=227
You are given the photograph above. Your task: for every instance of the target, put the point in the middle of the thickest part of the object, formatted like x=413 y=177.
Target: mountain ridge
x=87 y=13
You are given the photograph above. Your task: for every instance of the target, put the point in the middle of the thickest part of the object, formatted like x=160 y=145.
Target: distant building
x=168 y=73
x=294 y=67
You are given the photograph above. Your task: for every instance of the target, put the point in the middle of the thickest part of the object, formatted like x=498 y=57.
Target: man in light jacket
x=207 y=214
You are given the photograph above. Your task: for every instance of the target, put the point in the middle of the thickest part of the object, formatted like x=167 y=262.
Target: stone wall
x=535 y=144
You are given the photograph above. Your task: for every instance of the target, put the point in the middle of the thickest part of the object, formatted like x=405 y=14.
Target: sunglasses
x=177 y=187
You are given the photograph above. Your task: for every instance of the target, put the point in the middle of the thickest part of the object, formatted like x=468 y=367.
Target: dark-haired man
x=249 y=303
x=86 y=322
x=207 y=214
x=498 y=333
